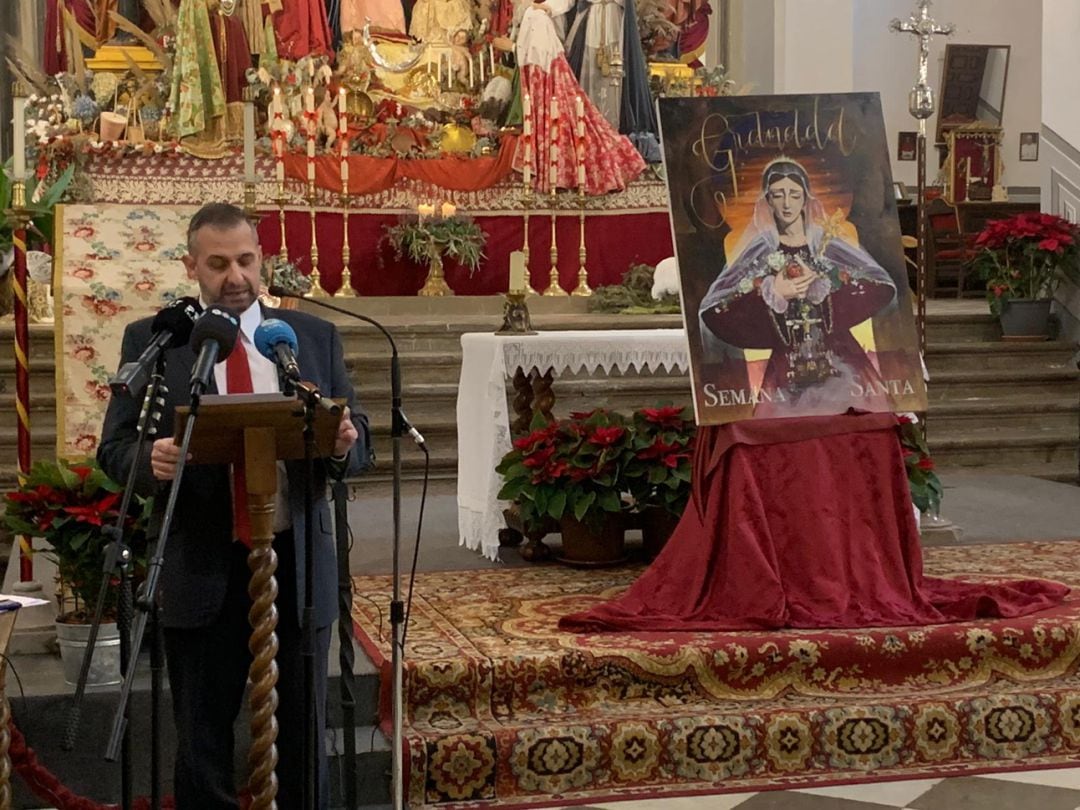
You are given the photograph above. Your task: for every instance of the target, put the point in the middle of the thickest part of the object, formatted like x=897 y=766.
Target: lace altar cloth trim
x=184 y=179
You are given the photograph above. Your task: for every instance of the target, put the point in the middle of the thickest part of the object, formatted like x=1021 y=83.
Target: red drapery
x=370 y=175
x=613 y=243
x=802 y=523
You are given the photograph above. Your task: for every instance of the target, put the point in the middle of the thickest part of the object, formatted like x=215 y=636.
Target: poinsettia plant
x=1026 y=256
x=926 y=489
x=69 y=504
x=570 y=467
x=658 y=475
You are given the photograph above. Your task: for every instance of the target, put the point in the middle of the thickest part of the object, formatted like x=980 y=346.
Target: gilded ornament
x=360 y=105
x=457 y=138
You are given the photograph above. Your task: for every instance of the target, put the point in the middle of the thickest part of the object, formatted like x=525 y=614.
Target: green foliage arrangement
x=659 y=473
x=424 y=239
x=633 y=295
x=926 y=489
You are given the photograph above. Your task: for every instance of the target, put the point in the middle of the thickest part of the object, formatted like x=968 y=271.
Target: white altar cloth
x=483 y=418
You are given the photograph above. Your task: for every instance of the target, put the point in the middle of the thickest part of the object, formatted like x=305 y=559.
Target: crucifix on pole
x=921 y=105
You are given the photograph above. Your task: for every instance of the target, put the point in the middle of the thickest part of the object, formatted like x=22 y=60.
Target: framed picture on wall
x=906 y=145
x=1029 y=146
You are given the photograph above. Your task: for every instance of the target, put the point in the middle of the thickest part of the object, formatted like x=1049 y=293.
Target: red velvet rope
x=45 y=786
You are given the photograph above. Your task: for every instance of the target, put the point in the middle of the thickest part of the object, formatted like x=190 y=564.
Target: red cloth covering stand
x=802 y=523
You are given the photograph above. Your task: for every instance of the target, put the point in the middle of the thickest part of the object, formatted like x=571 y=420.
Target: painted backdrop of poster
x=794 y=288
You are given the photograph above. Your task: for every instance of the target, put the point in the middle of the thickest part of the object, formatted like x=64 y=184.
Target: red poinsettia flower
x=539 y=457
x=926 y=463
x=667 y=416
x=607 y=436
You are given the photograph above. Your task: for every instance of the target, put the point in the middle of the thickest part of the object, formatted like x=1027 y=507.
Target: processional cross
x=925 y=28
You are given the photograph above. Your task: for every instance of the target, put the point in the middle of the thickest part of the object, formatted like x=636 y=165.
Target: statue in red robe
x=301 y=28
x=56 y=36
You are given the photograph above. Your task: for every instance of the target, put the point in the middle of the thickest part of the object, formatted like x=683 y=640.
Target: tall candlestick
x=553 y=168
x=527 y=169
x=579 y=108
x=526 y=110
x=249 y=137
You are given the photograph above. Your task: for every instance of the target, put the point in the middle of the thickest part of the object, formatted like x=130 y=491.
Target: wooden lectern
x=259 y=430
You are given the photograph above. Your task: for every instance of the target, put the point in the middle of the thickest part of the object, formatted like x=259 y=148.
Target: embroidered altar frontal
x=501 y=709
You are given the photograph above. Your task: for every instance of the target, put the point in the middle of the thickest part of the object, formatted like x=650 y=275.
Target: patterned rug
x=502 y=709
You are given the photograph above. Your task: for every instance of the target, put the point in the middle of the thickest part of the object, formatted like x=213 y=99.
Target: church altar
x=622 y=228
x=488 y=360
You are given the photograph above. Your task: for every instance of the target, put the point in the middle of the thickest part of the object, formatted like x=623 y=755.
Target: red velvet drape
x=801 y=523
x=613 y=243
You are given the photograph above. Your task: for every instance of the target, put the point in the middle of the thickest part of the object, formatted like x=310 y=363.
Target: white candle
x=249 y=142
x=438 y=71
x=491 y=58
x=279 y=170
x=472 y=79
x=19 y=142
x=517 y=271
x=481 y=60
x=579 y=108
x=553 y=167
x=276 y=103
x=526 y=108
x=554 y=109
x=344 y=175
x=448 y=210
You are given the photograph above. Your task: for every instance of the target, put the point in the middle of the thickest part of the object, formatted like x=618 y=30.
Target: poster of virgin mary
x=794 y=288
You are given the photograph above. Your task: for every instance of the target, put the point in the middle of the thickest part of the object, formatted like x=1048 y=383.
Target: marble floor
x=1046 y=790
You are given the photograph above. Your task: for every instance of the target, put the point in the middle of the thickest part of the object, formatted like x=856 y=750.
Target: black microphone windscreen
x=219 y=324
x=278 y=291
x=178 y=318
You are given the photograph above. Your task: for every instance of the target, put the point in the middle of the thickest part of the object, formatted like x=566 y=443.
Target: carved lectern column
x=261 y=477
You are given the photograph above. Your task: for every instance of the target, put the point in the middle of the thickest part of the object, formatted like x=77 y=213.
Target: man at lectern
x=203 y=586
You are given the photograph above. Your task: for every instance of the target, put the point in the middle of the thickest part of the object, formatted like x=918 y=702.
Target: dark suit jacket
x=193 y=579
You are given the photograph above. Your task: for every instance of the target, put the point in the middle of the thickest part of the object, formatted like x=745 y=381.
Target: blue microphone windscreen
x=219 y=324
x=270 y=333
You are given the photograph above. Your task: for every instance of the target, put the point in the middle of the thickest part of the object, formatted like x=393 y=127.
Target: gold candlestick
x=553 y=288
x=582 y=288
x=527 y=201
x=283 y=251
x=346 y=290
x=316 y=290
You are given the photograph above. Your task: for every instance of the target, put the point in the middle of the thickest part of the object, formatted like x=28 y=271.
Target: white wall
x=888 y=63
x=1059 y=153
x=1061 y=68
x=815 y=46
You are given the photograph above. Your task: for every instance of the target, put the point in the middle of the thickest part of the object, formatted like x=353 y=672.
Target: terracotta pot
x=1026 y=319
x=657 y=524
x=112 y=126
x=584 y=546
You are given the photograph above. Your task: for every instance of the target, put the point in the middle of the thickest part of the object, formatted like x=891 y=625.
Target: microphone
x=171 y=329
x=399 y=421
x=276 y=341
x=212 y=339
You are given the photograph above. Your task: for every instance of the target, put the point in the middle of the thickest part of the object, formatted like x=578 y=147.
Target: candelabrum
x=553 y=288
x=346 y=290
x=582 y=288
x=316 y=290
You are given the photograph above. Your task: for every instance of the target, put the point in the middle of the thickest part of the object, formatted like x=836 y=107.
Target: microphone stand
x=146 y=603
x=398 y=426
x=118 y=562
x=310 y=396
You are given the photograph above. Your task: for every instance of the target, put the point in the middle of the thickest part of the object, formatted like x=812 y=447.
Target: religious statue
x=301 y=29
x=385 y=15
x=59 y=37
x=438 y=21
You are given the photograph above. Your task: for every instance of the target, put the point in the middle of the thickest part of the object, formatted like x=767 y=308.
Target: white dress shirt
x=264 y=380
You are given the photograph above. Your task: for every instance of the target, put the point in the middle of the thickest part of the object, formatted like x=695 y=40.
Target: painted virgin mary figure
x=796 y=287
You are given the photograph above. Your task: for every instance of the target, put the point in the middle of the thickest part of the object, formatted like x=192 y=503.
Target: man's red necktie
x=238 y=381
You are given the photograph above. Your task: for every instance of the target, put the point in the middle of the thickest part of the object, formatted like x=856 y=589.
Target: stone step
x=1008 y=449
x=1062 y=472
x=1035 y=384
x=956 y=418
x=997 y=356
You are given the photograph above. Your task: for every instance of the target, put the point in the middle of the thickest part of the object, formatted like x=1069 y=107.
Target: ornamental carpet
x=503 y=709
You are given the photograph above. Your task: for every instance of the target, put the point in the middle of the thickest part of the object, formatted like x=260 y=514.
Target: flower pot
x=112 y=126
x=582 y=545
x=105 y=666
x=657 y=524
x=1026 y=319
